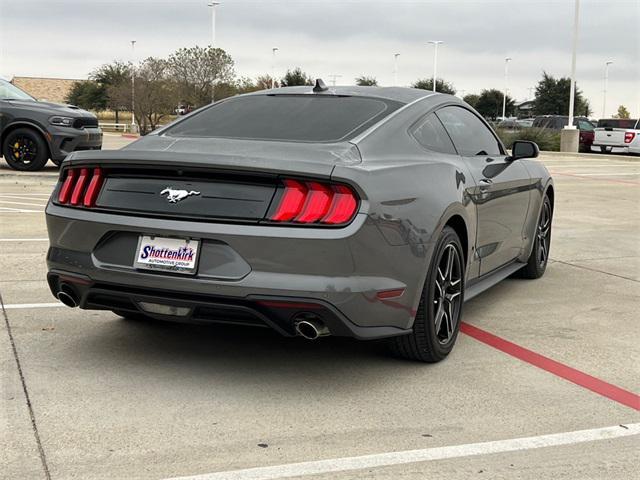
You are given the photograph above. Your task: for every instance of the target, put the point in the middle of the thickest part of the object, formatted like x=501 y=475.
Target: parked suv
x=31 y=132
x=558 y=122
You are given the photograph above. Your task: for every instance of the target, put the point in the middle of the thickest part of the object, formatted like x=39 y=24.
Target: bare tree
x=156 y=93
x=197 y=69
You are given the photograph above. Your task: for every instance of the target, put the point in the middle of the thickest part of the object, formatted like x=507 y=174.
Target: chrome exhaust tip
x=311 y=328
x=67 y=296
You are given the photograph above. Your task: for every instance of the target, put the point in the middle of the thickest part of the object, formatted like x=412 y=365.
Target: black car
x=558 y=122
x=31 y=132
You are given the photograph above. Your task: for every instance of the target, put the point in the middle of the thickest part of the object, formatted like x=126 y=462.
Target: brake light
x=81 y=186
x=292 y=201
x=78 y=190
x=315 y=202
x=67 y=186
x=94 y=188
x=629 y=136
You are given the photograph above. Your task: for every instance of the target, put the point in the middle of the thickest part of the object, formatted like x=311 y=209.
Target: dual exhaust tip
x=68 y=296
x=310 y=326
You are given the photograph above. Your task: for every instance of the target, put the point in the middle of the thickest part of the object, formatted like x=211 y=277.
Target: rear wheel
x=24 y=149
x=537 y=263
x=437 y=321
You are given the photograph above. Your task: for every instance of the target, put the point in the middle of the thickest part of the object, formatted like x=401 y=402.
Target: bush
x=546 y=138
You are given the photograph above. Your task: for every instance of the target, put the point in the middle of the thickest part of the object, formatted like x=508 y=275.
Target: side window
x=470 y=136
x=430 y=133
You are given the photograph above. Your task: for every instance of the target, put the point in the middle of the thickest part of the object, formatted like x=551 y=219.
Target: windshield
x=297 y=118
x=11 y=92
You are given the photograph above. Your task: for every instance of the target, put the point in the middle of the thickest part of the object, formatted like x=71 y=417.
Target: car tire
x=25 y=150
x=606 y=149
x=537 y=262
x=437 y=321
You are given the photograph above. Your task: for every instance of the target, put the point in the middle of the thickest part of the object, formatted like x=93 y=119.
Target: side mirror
x=524 y=149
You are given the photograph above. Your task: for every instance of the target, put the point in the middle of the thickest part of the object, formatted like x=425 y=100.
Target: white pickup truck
x=618 y=133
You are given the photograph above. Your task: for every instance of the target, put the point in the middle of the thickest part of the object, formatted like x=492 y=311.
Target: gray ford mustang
x=354 y=211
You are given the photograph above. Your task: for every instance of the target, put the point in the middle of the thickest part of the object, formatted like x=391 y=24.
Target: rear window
x=297 y=118
x=617 y=123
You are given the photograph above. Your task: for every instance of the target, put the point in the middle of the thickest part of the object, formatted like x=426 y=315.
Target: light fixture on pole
x=133 y=87
x=333 y=77
x=273 y=66
x=606 y=84
x=213 y=6
x=506 y=87
x=570 y=135
x=395 y=69
x=576 y=16
x=435 y=60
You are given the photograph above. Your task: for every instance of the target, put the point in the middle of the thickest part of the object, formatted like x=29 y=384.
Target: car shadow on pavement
x=247 y=355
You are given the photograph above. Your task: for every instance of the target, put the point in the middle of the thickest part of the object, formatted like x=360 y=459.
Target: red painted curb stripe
x=600 y=387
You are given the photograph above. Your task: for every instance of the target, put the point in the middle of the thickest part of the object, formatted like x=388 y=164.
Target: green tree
x=489 y=104
x=441 y=85
x=472 y=99
x=552 y=97
x=263 y=82
x=365 y=81
x=87 y=94
x=622 y=112
x=110 y=77
x=196 y=70
x=295 y=77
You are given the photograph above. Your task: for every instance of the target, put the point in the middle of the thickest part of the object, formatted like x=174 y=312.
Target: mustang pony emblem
x=174 y=196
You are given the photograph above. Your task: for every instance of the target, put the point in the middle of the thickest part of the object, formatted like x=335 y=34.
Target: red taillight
x=342 y=207
x=78 y=190
x=81 y=186
x=315 y=202
x=629 y=136
x=67 y=186
x=94 y=188
x=291 y=202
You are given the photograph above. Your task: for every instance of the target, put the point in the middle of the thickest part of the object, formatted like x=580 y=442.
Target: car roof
x=398 y=94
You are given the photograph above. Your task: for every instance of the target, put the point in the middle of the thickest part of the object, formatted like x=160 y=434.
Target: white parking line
x=618 y=174
x=18 y=210
x=2 y=200
x=20 y=306
x=24 y=239
x=424 y=455
x=25 y=194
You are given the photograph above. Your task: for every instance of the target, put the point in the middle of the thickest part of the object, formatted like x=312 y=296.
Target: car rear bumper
x=65 y=140
x=339 y=271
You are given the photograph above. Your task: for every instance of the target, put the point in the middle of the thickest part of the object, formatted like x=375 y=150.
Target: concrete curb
x=628 y=158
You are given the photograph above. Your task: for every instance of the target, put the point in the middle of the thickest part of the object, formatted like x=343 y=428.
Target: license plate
x=167 y=254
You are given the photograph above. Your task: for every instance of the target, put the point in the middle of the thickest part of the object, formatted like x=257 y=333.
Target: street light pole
x=395 y=69
x=606 y=84
x=506 y=87
x=213 y=6
x=333 y=77
x=576 y=16
x=133 y=87
x=435 y=60
x=273 y=67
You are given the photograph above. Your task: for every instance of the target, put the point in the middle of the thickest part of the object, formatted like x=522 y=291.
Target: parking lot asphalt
x=88 y=395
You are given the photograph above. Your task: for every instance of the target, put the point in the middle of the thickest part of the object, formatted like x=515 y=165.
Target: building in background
x=49 y=89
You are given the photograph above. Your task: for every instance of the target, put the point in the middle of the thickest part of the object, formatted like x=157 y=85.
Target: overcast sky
x=69 y=38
